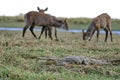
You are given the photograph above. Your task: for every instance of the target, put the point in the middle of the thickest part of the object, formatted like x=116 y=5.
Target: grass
x=12 y=24
x=16 y=62
x=115 y=26
x=74 y=23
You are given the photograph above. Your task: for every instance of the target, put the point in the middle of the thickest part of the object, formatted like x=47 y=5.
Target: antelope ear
x=46 y=9
x=38 y=8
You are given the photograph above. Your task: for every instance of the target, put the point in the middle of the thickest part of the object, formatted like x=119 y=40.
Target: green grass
x=115 y=26
x=74 y=23
x=16 y=62
x=12 y=24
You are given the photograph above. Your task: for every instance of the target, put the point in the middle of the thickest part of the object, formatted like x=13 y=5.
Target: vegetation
x=18 y=62
x=18 y=55
x=74 y=23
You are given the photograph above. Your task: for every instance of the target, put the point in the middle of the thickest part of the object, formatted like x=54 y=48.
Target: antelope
x=47 y=29
x=34 y=18
x=102 y=21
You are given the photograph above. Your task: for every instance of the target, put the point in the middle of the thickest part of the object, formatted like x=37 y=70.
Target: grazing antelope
x=102 y=21
x=47 y=29
x=34 y=18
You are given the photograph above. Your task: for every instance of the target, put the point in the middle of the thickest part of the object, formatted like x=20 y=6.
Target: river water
x=60 y=30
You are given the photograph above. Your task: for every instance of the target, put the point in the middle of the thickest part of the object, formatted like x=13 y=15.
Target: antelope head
x=86 y=36
x=65 y=24
x=42 y=10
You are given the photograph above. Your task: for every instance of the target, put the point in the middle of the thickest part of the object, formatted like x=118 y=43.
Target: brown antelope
x=47 y=29
x=34 y=18
x=102 y=21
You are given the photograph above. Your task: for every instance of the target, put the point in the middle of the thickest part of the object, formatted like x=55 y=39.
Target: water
x=60 y=30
